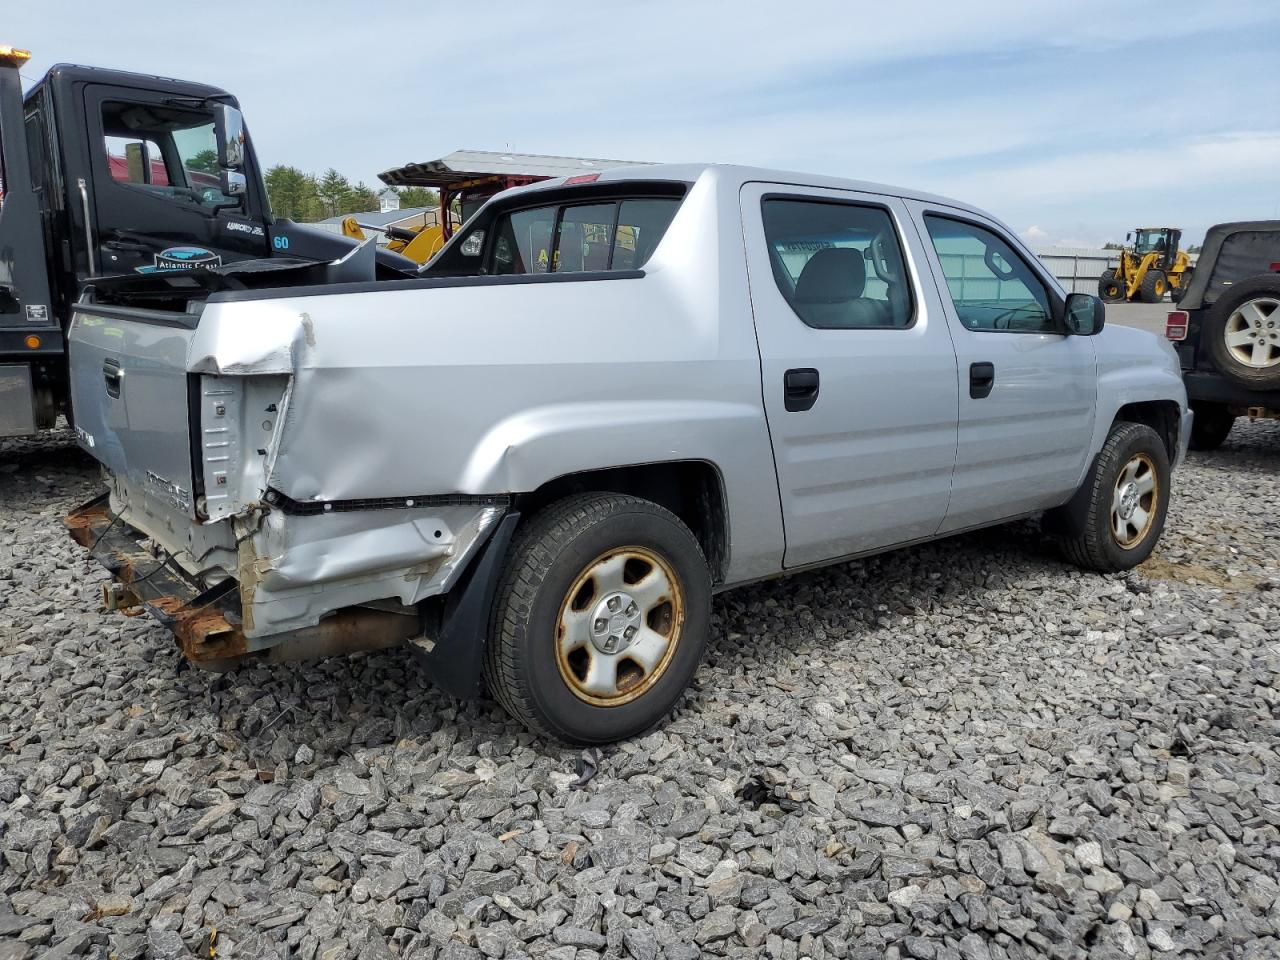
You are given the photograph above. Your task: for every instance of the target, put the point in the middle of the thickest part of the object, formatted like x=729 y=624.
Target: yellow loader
x=1147 y=270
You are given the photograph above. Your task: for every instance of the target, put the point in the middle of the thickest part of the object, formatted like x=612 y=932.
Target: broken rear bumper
x=207 y=622
x=209 y=626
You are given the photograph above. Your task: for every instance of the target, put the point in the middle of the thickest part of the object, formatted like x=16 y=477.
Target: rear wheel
x=1212 y=423
x=601 y=619
x=1153 y=287
x=1111 y=288
x=1127 y=499
x=1242 y=330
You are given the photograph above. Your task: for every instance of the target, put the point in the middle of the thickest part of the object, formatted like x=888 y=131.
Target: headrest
x=832 y=275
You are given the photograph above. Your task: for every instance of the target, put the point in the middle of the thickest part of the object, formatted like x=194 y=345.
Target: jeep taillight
x=1175 y=328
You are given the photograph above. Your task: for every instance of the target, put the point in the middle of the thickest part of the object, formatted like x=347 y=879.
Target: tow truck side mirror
x=233 y=183
x=229 y=128
x=230 y=133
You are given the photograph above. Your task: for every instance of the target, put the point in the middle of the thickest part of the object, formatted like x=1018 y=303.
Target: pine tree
x=331 y=189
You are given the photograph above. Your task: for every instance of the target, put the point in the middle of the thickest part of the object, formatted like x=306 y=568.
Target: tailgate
x=129 y=396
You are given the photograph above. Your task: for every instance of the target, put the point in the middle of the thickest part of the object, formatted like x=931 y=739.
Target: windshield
x=1148 y=240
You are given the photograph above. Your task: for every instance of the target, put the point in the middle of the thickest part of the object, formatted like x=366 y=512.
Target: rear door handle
x=982 y=377
x=799 y=389
x=112 y=376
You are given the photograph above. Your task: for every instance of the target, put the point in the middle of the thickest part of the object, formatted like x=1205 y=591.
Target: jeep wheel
x=1127 y=497
x=1153 y=287
x=1212 y=423
x=601 y=618
x=1111 y=289
x=1242 y=330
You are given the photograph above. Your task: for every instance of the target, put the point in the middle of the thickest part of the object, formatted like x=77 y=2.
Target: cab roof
x=64 y=75
x=734 y=175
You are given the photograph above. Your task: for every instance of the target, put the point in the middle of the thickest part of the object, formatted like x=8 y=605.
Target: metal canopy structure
x=463 y=166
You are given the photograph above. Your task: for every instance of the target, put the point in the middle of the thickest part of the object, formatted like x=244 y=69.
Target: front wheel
x=601 y=618
x=1153 y=287
x=1127 y=498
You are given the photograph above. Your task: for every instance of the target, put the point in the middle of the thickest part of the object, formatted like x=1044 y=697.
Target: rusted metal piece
x=353 y=630
x=197 y=617
x=81 y=521
x=202 y=630
x=119 y=598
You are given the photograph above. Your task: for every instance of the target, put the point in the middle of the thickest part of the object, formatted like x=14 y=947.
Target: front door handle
x=982 y=377
x=799 y=389
x=113 y=377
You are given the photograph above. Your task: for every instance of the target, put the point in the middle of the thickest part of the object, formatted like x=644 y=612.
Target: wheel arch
x=1162 y=416
x=693 y=490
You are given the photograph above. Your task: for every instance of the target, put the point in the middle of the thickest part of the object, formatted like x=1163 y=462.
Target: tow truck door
x=154 y=185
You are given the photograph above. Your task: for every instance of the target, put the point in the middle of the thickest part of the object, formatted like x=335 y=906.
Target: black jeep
x=1227 y=329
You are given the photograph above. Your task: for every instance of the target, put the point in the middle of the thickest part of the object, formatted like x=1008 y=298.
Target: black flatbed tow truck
x=107 y=177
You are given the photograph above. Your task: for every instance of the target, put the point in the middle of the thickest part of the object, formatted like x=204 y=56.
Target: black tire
x=1095 y=545
x=1177 y=293
x=1212 y=423
x=1264 y=292
x=1111 y=288
x=551 y=554
x=1153 y=287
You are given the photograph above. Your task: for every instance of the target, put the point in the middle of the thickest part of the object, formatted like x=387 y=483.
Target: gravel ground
x=967 y=750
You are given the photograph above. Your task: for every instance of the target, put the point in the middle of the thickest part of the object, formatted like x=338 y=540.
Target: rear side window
x=992 y=287
x=839 y=265
x=578 y=237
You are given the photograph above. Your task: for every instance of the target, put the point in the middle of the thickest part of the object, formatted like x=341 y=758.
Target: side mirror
x=233 y=183
x=1085 y=315
x=230 y=133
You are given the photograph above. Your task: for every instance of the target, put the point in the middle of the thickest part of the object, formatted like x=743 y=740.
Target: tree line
x=305 y=198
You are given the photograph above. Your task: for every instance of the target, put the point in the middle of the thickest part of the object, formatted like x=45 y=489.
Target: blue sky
x=1068 y=123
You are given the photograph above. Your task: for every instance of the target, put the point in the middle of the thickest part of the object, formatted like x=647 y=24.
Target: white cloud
x=1034 y=234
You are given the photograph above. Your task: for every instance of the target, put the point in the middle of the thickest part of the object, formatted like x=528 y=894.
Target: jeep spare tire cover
x=1242 y=333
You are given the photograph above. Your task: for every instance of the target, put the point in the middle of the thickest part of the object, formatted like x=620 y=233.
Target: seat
x=829 y=292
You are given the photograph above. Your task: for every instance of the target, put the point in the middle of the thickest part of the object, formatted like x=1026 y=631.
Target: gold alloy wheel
x=1134 y=501
x=619 y=626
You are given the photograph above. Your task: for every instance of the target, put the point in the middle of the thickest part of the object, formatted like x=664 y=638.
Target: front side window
x=165 y=151
x=579 y=237
x=137 y=161
x=992 y=287
x=839 y=265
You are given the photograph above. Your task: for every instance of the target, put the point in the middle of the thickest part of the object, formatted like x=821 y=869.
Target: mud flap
x=455 y=656
x=1069 y=519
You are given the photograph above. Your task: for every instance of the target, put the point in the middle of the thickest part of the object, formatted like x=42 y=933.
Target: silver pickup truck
x=609 y=397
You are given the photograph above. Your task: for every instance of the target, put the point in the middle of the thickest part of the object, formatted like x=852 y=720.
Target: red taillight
x=1175 y=327
x=1275 y=268
x=582 y=178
